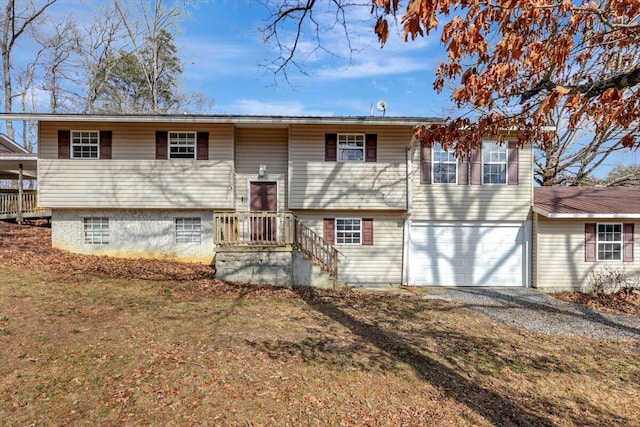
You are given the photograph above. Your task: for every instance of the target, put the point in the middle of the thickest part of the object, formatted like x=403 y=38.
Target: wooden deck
x=14 y=207
x=243 y=230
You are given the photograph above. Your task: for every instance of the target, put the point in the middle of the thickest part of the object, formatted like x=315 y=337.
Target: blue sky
x=223 y=51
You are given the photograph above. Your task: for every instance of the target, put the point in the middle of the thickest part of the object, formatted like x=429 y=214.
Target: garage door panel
x=467 y=255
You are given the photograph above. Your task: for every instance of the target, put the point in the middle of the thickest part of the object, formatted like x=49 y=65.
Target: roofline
x=19 y=156
x=224 y=119
x=14 y=144
x=586 y=215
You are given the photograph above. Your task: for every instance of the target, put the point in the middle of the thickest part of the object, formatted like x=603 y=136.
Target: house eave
x=552 y=215
x=237 y=120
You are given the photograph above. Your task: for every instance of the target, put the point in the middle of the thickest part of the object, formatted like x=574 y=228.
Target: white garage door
x=467 y=255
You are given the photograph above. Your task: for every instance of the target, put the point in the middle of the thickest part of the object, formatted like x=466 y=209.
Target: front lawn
x=80 y=349
x=94 y=340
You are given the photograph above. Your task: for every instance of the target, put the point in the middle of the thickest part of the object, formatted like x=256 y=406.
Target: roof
x=11 y=145
x=10 y=164
x=238 y=120
x=587 y=202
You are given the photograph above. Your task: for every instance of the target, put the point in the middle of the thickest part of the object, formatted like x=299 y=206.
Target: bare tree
x=152 y=41
x=292 y=22
x=60 y=50
x=623 y=175
x=14 y=23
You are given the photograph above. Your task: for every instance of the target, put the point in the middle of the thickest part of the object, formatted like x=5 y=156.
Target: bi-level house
x=359 y=196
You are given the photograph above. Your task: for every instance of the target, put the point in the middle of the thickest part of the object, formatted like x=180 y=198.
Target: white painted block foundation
x=134 y=233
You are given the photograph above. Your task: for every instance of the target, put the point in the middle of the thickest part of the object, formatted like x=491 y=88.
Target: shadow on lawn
x=495 y=408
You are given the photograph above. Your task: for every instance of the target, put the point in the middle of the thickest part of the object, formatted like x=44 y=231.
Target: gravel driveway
x=539 y=312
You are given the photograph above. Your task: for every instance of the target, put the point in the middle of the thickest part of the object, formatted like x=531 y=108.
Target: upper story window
x=351 y=147
x=609 y=242
x=85 y=144
x=494 y=163
x=444 y=166
x=182 y=145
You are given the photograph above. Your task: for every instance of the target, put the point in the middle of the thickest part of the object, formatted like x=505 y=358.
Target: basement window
x=188 y=230
x=96 y=231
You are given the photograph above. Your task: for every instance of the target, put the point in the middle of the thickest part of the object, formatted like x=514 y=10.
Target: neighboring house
x=396 y=210
x=582 y=235
x=17 y=165
x=12 y=155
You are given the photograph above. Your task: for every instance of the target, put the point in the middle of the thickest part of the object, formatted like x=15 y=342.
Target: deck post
x=19 y=218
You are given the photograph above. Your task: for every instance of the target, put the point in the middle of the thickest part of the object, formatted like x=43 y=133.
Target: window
x=494 y=163
x=182 y=145
x=444 y=166
x=350 y=147
x=188 y=230
x=348 y=231
x=609 y=242
x=96 y=231
x=84 y=144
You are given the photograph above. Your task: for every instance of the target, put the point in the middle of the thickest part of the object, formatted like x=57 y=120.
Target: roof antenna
x=371 y=110
x=382 y=106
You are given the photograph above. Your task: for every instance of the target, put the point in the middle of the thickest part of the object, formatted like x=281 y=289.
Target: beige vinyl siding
x=474 y=202
x=560 y=258
x=379 y=264
x=316 y=184
x=261 y=146
x=133 y=178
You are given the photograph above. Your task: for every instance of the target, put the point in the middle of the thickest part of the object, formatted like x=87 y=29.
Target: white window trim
x=433 y=169
x=90 y=240
x=195 y=144
x=71 y=144
x=175 y=230
x=506 y=162
x=620 y=242
x=335 y=231
x=364 y=147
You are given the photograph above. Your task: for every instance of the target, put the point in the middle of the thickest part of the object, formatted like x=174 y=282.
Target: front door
x=263 y=197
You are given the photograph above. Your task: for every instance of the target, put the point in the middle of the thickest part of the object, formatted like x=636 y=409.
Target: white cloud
x=260 y=108
x=371 y=68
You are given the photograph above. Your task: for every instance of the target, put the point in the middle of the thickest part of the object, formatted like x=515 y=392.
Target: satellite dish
x=382 y=106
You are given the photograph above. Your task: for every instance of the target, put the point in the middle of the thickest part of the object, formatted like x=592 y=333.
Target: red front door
x=263 y=198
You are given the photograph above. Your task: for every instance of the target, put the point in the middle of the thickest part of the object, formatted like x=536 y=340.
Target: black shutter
x=161 y=145
x=512 y=167
x=371 y=147
x=329 y=230
x=425 y=163
x=590 y=242
x=64 y=144
x=330 y=147
x=367 y=231
x=203 y=146
x=105 y=144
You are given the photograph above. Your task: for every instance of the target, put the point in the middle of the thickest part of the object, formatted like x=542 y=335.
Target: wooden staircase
x=234 y=230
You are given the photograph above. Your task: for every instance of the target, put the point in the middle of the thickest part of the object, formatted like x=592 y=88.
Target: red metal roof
x=586 y=201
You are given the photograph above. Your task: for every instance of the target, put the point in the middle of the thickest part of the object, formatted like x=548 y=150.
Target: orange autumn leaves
x=518 y=61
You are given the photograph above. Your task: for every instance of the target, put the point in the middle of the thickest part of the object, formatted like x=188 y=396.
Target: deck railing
x=254 y=228
x=274 y=229
x=318 y=249
x=10 y=206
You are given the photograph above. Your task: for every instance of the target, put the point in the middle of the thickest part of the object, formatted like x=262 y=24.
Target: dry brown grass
x=88 y=348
